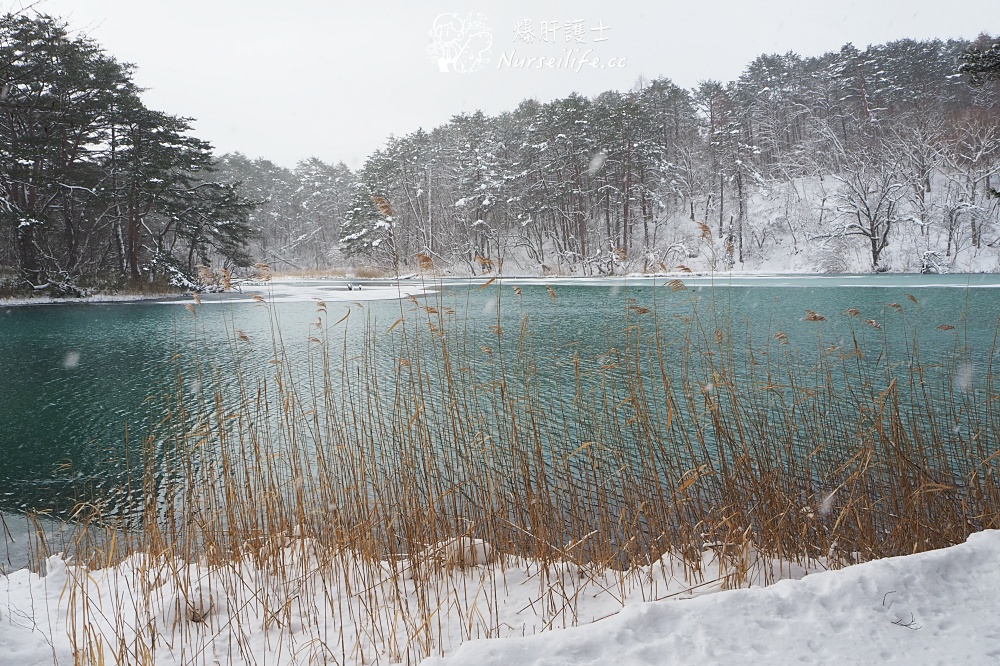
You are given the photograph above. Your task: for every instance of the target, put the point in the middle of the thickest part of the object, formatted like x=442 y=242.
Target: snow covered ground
x=938 y=607
x=277 y=291
x=97 y=298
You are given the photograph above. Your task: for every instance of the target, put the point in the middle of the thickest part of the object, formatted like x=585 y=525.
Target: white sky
x=287 y=80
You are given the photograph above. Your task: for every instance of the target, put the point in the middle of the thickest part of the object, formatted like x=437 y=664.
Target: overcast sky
x=290 y=79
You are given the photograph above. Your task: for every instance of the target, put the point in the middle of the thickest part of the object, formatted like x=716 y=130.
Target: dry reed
x=373 y=486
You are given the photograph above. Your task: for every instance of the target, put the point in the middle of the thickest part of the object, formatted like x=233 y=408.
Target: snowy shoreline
x=96 y=298
x=383 y=284
x=937 y=607
x=932 y=607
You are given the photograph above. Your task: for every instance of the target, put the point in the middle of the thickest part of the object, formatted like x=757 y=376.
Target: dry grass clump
x=366 y=489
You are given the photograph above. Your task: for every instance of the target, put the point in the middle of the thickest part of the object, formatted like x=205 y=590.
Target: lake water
x=83 y=383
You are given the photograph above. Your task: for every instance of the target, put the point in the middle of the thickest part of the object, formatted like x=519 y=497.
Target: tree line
x=889 y=155
x=97 y=189
x=887 y=152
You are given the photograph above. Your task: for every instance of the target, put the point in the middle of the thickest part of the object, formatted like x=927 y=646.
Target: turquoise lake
x=83 y=383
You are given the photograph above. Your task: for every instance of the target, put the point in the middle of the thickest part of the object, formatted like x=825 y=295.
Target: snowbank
x=936 y=607
x=64 y=300
x=939 y=607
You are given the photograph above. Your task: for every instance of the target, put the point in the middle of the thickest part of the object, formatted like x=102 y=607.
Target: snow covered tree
x=869 y=200
x=981 y=63
x=323 y=194
x=92 y=182
x=277 y=239
x=54 y=94
x=369 y=229
x=971 y=155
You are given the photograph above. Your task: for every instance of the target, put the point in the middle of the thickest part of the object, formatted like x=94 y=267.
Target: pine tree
x=981 y=64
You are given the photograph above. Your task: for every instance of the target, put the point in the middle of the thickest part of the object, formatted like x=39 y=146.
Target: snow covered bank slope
x=934 y=608
x=939 y=607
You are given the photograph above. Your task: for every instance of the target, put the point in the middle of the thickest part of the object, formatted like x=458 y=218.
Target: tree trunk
x=722 y=186
x=31 y=269
x=132 y=245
